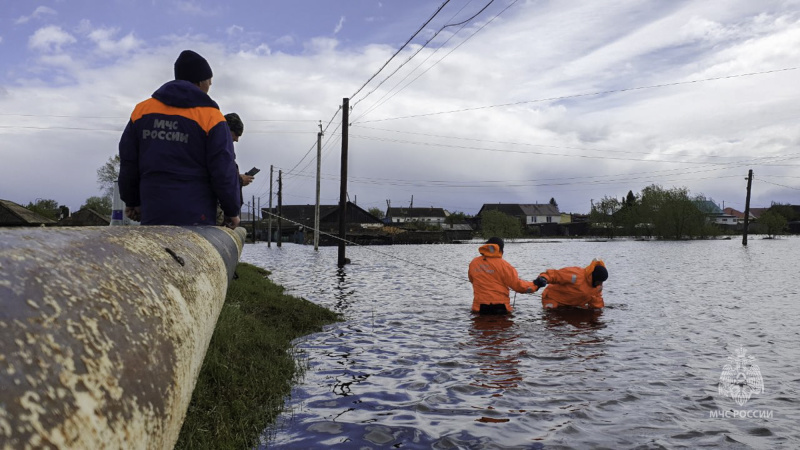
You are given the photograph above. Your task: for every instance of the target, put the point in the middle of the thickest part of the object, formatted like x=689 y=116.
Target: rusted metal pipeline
x=103 y=331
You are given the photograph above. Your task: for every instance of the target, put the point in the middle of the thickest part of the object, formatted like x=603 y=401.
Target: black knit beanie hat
x=192 y=67
x=498 y=241
x=599 y=275
x=235 y=123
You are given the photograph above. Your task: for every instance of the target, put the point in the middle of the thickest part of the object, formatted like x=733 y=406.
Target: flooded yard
x=411 y=367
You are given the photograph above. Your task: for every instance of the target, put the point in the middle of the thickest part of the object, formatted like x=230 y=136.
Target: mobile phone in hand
x=253 y=171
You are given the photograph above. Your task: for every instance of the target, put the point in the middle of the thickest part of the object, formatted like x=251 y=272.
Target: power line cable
x=564 y=97
x=421 y=48
x=465 y=147
x=381 y=103
x=776 y=184
x=389 y=255
x=527 y=144
x=400 y=49
x=313 y=146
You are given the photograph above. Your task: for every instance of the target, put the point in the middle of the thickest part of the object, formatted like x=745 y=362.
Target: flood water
x=411 y=367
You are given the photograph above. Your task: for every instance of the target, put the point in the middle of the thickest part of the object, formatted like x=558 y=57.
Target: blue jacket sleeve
x=129 y=167
x=222 y=170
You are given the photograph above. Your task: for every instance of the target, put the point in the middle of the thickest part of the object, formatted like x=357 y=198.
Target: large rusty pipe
x=103 y=331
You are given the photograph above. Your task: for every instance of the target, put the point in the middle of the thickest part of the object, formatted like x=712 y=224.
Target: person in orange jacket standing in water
x=491 y=277
x=580 y=287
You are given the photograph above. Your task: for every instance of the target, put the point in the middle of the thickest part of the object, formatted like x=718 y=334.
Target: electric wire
x=400 y=49
x=389 y=255
x=527 y=144
x=377 y=105
x=776 y=184
x=421 y=48
x=315 y=142
x=591 y=94
x=530 y=152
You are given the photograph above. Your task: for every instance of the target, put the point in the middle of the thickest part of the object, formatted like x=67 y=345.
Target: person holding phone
x=236 y=127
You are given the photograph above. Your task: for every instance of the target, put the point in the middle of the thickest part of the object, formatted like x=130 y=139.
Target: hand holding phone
x=253 y=171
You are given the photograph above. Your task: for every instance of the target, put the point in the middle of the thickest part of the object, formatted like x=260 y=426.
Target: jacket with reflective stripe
x=177 y=160
x=572 y=286
x=492 y=276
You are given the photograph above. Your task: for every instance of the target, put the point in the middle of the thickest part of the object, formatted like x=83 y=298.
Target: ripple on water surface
x=411 y=367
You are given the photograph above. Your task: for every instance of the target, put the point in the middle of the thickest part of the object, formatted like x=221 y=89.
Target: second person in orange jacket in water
x=580 y=287
x=491 y=277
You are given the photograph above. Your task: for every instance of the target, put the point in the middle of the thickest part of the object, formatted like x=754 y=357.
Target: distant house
x=85 y=217
x=538 y=214
x=736 y=214
x=530 y=214
x=431 y=215
x=715 y=214
x=15 y=215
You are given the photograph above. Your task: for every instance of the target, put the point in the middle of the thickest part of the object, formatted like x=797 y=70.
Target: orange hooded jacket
x=491 y=277
x=572 y=286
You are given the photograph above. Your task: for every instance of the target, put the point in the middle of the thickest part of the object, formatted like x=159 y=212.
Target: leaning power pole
x=316 y=205
x=269 y=220
x=343 y=185
x=747 y=207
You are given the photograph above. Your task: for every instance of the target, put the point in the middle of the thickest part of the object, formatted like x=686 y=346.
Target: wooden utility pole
x=747 y=207
x=253 y=218
x=316 y=205
x=258 y=222
x=280 y=207
x=269 y=220
x=343 y=185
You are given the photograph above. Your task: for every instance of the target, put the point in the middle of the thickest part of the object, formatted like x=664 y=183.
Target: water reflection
x=496 y=350
x=410 y=368
x=575 y=317
x=343 y=292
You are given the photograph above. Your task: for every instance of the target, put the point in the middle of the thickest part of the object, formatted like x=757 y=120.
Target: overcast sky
x=527 y=101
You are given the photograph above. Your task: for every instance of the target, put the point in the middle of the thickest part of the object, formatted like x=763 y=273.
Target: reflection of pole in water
x=342 y=294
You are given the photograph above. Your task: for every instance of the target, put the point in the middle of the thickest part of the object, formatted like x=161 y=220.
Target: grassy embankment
x=249 y=368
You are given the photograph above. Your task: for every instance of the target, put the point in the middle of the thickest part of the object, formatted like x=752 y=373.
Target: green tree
x=496 y=223
x=773 y=223
x=785 y=210
x=100 y=205
x=107 y=175
x=377 y=212
x=553 y=202
x=604 y=215
x=672 y=213
x=630 y=199
x=630 y=216
x=45 y=207
x=455 y=217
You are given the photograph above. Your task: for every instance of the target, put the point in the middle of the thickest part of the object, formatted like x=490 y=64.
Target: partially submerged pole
x=747 y=207
x=342 y=260
x=105 y=330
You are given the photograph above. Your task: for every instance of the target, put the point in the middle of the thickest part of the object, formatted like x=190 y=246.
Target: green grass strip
x=249 y=367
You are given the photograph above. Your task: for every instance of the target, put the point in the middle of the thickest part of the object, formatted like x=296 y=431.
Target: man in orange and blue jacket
x=176 y=154
x=580 y=287
x=491 y=277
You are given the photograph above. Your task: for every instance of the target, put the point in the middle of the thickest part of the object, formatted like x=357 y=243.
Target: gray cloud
x=704 y=135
